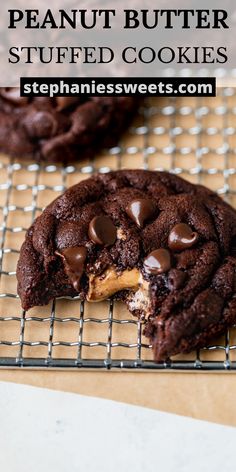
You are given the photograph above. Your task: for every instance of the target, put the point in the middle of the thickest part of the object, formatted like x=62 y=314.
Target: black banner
x=117 y=86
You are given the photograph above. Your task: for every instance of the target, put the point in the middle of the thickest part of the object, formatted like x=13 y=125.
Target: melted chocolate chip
x=65 y=102
x=102 y=231
x=41 y=124
x=158 y=261
x=12 y=94
x=140 y=210
x=182 y=237
x=74 y=259
x=176 y=279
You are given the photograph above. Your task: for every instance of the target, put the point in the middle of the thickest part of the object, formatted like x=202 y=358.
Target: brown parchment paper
x=168 y=134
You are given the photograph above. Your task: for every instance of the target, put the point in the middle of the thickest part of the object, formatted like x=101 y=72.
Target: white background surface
x=43 y=430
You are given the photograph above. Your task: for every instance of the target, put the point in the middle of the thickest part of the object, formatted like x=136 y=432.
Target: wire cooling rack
x=194 y=138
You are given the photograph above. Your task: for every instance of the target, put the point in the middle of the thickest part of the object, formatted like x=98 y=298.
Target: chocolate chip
x=66 y=102
x=182 y=237
x=41 y=124
x=102 y=231
x=140 y=210
x=12 y=94
x=158 y=261
x=176 y=279
x=74 y=259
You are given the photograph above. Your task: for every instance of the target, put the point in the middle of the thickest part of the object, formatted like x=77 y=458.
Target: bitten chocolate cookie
x=61 y=129
x=164 y=246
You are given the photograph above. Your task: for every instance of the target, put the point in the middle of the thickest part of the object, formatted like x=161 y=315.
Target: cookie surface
x=63 y=129
x=164 y=246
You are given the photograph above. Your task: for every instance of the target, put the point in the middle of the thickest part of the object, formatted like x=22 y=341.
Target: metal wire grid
x=75 y=334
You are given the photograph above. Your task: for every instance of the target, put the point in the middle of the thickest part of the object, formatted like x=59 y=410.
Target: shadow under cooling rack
x=194 y=138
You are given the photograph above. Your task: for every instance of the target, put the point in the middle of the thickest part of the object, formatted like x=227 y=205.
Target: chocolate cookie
x=61 y=129
x=164 y=246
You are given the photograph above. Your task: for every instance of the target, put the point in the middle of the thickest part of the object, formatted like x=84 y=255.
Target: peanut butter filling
x=109 y=282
